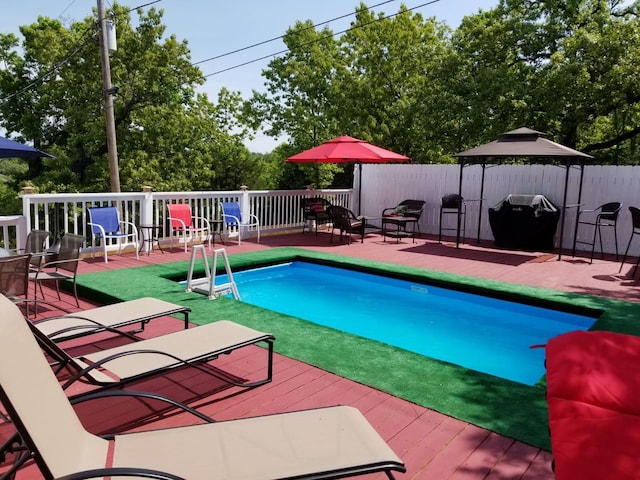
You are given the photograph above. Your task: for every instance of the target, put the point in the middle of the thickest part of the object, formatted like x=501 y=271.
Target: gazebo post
x=481 y=201
x=564 y=207
x=575 y=228
x=459 y=209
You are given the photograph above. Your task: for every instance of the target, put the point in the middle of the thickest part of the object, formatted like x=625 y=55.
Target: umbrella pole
x=359 y=188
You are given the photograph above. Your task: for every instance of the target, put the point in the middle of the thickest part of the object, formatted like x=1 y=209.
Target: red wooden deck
x=432 y=445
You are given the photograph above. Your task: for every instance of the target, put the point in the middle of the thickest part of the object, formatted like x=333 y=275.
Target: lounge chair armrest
x=91 y=325
x=120 y=472
x=139 y=394
x=96 y=365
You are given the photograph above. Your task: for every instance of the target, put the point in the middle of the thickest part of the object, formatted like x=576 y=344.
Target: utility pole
x=108 y=91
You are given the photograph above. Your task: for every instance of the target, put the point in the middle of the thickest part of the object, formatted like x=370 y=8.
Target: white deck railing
x=278 y=210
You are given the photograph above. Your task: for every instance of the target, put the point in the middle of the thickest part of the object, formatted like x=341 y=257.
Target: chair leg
x=624 y=257
x=440 y=228
x=593 y=243
x=615 y=237
x=75 y=292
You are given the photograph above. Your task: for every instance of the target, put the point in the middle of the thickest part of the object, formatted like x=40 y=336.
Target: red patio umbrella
x=347 y=149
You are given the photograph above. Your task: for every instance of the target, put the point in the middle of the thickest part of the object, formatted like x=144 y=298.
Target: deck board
x=433 y=445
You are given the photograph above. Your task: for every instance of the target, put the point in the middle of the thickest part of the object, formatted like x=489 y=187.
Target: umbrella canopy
x=347 y=149
x=12 y=149
x=522 y=142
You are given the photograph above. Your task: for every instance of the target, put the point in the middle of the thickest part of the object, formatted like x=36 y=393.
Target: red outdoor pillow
x=316 y=208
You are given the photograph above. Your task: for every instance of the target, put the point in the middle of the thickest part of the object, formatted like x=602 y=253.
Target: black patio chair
x=62 y=266
x=635 y=220
x=346 y=222
x=606 y=216
x=453 y=204
x=315 y=209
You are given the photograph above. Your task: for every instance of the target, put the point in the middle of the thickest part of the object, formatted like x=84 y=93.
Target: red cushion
x=599 y=368
x=593 y=443
x=316 y=207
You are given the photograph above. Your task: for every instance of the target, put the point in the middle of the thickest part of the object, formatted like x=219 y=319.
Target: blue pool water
x=477 y=332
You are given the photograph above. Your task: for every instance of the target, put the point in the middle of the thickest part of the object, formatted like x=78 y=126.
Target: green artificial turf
x=499 y=405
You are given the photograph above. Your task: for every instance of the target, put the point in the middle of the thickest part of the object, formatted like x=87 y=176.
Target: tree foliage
x=413 y=85
x=402 y=81
x=169 y=136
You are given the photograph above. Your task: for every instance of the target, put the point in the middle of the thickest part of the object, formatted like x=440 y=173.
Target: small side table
x=401 y=228
x=150 y=234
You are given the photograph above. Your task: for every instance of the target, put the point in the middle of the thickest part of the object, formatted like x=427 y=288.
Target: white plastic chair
x=234 y=220
x=105 y=224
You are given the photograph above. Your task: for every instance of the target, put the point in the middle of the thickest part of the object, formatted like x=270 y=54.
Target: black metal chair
x=453 y=204
x=635 y=220
x=346 y=222
x=14 y=279
x=63 y=266
x=35 y=245
x=315 y=209
x=606 y=215
x=407 y=211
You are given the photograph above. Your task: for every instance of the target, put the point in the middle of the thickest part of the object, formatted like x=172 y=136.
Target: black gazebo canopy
x=523 y=143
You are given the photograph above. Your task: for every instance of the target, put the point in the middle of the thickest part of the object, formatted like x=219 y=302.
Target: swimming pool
x=476 y=332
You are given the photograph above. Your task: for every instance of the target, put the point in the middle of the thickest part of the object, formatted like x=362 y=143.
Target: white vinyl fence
x=385 y=185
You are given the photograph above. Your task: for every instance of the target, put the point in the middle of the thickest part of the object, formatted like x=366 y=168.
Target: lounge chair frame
x=324 y=443
x=111 y=367
x=114 y=316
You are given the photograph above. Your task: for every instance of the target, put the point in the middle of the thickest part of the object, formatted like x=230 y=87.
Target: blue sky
x=214 y=28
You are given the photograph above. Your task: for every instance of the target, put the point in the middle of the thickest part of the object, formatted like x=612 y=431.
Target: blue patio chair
x=234 y=220
x=105 y=224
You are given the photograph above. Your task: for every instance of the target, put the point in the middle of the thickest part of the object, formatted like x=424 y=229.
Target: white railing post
x=245 y=208
x=21 y=231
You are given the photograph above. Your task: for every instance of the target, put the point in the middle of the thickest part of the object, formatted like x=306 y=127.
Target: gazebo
x=523 y=143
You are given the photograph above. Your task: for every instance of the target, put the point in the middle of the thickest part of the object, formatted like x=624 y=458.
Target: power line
x=281 y=52
x=67 y=57
x=282 y=36
x=78 y=46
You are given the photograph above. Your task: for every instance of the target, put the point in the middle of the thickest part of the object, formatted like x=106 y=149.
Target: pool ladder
x=207 y=284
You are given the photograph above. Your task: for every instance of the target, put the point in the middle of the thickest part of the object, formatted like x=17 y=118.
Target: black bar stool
x=635 y=219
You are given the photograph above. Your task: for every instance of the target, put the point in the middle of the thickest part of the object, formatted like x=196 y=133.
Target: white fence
x=387 y=185
x=382 y=186
x=58 y=213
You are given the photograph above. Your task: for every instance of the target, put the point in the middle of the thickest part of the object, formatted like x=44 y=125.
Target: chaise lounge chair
x=153 y=356
x=325 y=443
x=109 y=317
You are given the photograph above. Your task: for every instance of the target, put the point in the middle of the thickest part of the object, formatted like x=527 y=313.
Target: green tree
x=392 y=90
x=299 y=93
x=560 y=67
x=168 y=135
